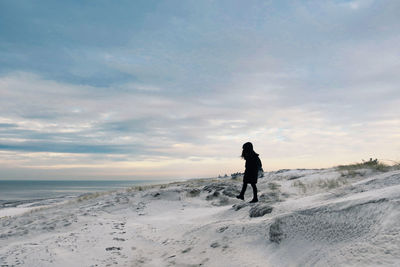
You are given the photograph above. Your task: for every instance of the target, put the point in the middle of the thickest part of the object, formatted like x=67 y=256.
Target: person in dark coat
x=253 y=165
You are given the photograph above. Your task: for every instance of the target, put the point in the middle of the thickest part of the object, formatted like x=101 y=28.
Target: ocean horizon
x=17 y=196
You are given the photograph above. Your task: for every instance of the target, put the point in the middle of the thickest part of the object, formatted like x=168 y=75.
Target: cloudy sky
x=172 y=89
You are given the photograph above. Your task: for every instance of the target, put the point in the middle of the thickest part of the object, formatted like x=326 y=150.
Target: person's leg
x=241 y=195
x=255 y=198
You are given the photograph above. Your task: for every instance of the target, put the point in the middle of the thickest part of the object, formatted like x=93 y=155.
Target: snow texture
x=303 y=218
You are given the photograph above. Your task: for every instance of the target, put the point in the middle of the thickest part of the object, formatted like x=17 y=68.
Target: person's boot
x=240 y=197
x=254 y=200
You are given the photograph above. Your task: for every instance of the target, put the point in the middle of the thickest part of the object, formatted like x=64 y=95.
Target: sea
x=19 y=196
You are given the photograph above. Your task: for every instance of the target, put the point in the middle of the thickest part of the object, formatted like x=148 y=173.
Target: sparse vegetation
x=301 y=185
x=332 y=183
x=145 y=187
x=351 y=173
x=346 y=172
x=321 y=183
x=273 y=186
x=90 y=196
x=373 y=164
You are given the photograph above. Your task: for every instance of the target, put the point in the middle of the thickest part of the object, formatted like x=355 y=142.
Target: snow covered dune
x=326 y=217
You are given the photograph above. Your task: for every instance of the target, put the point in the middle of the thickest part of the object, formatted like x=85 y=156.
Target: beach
x=20 y=196
x=320 y=217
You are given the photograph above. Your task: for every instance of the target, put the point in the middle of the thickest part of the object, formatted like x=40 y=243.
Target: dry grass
x=370 y=164
x=300 y=185
x=351 y=173
x=274 y=186
x=332 y=183
x=91 y=196
x=320 y=183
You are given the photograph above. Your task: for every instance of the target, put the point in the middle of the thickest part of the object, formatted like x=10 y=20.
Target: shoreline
x=16 y=206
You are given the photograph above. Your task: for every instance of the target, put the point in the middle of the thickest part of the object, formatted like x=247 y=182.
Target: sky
x=172 y=89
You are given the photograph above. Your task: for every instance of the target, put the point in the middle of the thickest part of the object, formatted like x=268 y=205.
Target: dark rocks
x=193 y=192
x=227 y=189
x=215 y=245
x=113 y=248
x=186 y=250
x=214 y=187
x=260 y=210
x=231 y=191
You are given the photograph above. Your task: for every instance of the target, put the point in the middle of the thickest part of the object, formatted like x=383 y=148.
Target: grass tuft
x=90 y=196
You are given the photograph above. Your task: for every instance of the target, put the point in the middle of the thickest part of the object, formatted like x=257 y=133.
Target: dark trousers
x=254 y=190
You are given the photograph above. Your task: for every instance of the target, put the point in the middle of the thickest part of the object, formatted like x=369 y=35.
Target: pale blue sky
x=172 y=89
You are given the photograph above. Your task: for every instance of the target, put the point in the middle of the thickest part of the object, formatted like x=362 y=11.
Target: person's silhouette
x=253 y=165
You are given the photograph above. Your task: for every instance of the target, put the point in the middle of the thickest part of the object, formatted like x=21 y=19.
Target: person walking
x=253 y=165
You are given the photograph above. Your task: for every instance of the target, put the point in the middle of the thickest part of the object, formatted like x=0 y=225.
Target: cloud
x=62 y=147
x=158 y=83
x=8 y=125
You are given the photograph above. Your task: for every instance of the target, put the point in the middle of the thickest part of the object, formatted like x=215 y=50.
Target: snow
x=14 y=211
x=354 y=222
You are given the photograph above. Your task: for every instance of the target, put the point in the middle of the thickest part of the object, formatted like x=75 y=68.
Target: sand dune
x=305 y=217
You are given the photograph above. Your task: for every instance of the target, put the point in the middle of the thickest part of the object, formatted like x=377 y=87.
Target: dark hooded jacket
x=253 y=165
